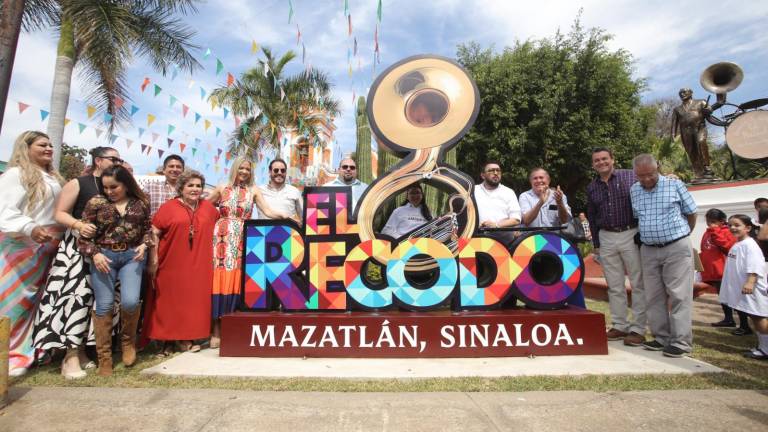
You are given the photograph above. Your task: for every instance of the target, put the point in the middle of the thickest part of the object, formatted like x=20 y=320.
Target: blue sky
x=671 y=42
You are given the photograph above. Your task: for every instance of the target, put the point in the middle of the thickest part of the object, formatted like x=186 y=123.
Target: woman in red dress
x=182 y=266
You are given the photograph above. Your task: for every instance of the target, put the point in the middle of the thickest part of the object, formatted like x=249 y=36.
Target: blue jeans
x=128 y=271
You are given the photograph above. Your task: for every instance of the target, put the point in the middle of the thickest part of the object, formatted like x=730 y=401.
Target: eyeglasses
x=493 y=171
x=278 y=170
x=348 y=167
x=114 y=159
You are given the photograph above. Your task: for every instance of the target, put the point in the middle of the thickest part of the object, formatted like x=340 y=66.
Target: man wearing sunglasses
x=348 y=177
x=497 y=205
x=282 y=197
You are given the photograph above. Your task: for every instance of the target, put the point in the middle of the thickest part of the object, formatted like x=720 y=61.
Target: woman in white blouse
x=28 y=238
x=409 y=216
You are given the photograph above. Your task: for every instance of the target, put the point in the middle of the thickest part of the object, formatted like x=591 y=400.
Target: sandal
x=756 y=354
x=167 y=351
x=188 y=346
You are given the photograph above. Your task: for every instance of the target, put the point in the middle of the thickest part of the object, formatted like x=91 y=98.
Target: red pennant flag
x=184 y=110
x=22 y=107
x=237 y=121
x=230 y=79
x=119 y=102
x=144 y=84
x=182 y=146
x=227 y=156
x=349 y=20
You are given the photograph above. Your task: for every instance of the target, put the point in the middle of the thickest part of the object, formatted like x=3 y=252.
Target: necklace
x=191 y=213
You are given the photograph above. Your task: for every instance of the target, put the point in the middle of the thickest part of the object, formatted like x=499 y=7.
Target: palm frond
x=39 y=14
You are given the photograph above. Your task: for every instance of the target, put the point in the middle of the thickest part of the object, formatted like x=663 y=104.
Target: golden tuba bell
x=720 y=78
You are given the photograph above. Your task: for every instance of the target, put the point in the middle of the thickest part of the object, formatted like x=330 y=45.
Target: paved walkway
x=149 y=410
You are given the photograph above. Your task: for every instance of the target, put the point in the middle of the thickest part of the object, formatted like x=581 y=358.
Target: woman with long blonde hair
x=28 y=238
x=235 y=200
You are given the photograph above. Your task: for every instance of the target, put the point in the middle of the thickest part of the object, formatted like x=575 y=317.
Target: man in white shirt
x=348 y=177
x=280 y=196
x=497 y=205
x=542 y=206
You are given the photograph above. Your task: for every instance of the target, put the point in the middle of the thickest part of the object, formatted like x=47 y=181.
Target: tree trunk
x=62 y=82
x=10 y=26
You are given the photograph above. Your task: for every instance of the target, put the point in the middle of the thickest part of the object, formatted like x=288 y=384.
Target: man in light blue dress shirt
x=348 y=177
x=666 y=215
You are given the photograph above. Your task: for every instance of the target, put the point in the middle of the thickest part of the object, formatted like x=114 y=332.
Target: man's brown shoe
x=614 y=334
x=634 y=339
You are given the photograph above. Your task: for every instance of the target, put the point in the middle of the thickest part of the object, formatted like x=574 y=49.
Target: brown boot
x=128 y=335
x=102 y=326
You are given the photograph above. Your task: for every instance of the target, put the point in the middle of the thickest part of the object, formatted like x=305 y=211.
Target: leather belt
x=619 y=228
x=117 y=247
x=661 y=245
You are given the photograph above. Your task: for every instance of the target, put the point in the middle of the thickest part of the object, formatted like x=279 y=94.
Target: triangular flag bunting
x=134 y=109
x=378 y=11
x=219 y=151
x=194 y=150
x=171 y=128
x=158 y=89
x=182 y=146
x=22 y=107
x=91 y=110
x=219 y=67
x=202 y=93
x=66 y=122
x=43 y=114
x=197 y=117
x=174 y=72
x=346 y=7
x=160 y=152
x=254 y=46
x=218 y=131
x=349 y=20
x=172 y=100
x=207 y=124
x=184 y=110
x=107 y=117
x=230 y=79
x=226 y=112
x=144 y=84
x=141 y=132
x=207 y=54
x=237 y=121
x=112 y=138
x=118 y=101
x=170 y=142
x=150 y=119
x=290 y=11
x=143 y=148
x=98 y=133
x=128 y=143
x=155 y=136
x=81 y=127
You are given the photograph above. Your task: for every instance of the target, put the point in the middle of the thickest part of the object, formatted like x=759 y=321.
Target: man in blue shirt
x=348 y=177
x=666 y=214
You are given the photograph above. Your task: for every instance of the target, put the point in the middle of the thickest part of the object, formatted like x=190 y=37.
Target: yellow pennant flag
x=91 y=110
x=254 y=47
x=207 y=125
x=150 y=119
x=214 y=103
x=66 y=122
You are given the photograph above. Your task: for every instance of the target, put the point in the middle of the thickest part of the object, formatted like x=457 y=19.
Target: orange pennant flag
x=182 y=146
x=91 y=110
x=144 y=84
x=230 y=79
x=150 y=119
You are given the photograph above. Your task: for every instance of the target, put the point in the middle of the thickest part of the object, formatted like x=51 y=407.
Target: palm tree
x=301 y=105
x=102 y=37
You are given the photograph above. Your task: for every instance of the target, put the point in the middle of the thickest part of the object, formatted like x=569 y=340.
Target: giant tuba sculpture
x=420 y=107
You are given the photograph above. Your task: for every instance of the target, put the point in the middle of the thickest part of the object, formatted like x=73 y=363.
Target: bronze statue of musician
x=688 y=120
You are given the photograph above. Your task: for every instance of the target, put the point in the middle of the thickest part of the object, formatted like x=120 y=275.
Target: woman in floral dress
x=235 y=200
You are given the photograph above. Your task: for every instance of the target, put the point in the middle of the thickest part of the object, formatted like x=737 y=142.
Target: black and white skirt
x=63 y=318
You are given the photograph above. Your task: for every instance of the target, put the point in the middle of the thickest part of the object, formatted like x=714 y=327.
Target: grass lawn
x=715 y=346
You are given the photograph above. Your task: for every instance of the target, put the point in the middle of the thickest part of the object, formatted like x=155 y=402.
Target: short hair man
x=160 y=192
x=613 y=227
x=348 y=177
x=281 y=196
x=667 y=214
x=497 y=205
x=542 y=206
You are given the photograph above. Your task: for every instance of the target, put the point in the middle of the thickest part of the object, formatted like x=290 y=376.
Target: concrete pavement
x=150 y=410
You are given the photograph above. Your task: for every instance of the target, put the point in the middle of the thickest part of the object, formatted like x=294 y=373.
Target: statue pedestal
x=396 y=334
x=732 y=197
